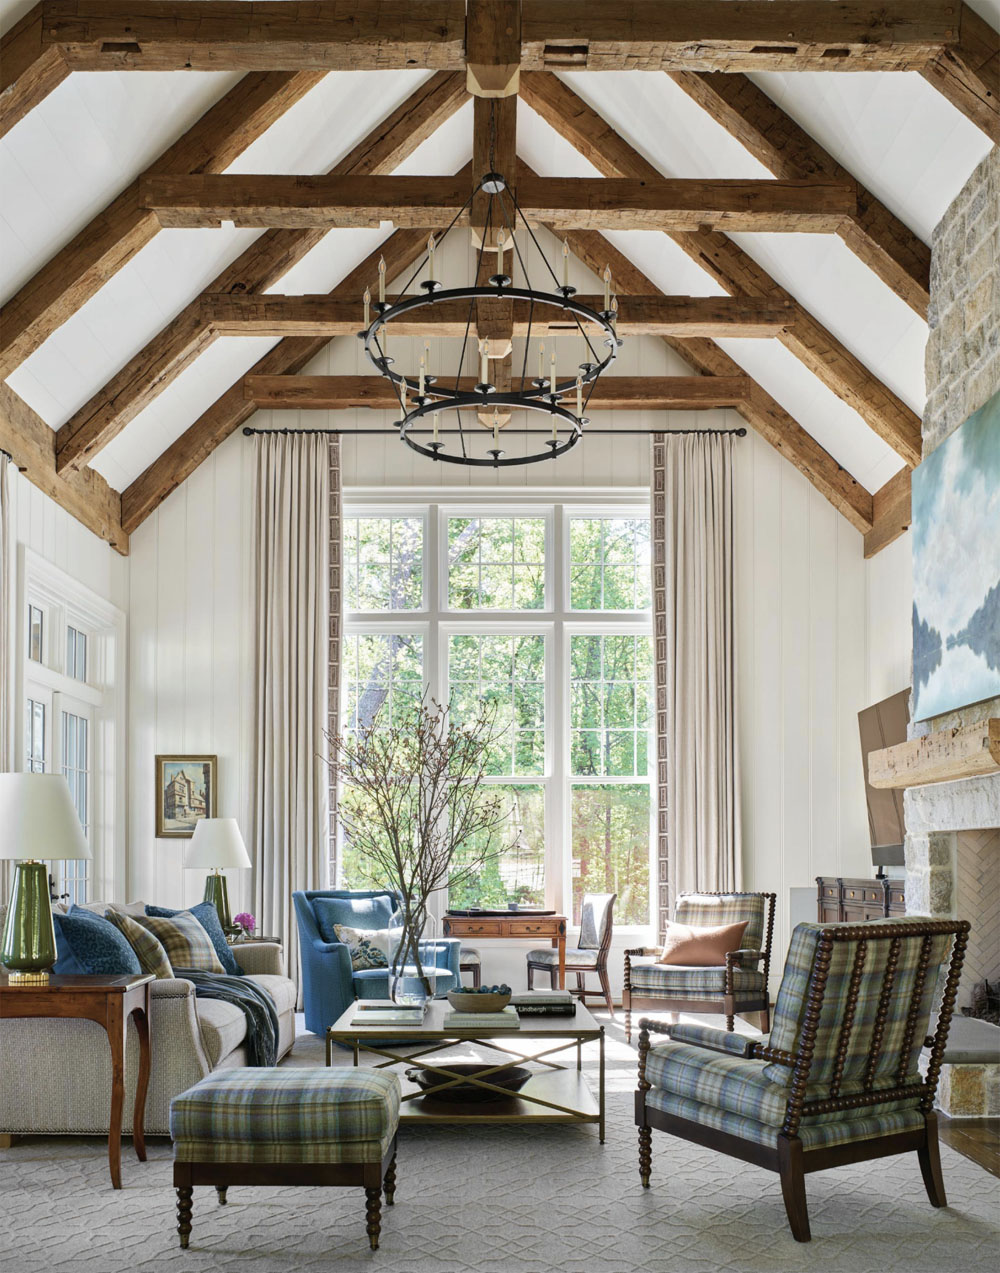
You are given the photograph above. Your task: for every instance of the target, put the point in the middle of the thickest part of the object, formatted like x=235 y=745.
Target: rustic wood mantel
x=944 y=756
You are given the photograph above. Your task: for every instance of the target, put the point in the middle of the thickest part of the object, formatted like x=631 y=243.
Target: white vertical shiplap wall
x=890 y=629
x=190 y=677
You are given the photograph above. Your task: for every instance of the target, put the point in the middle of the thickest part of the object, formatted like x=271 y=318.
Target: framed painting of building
x=185 y=792
x=956 y=568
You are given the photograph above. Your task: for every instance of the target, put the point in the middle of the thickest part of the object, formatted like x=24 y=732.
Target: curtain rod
x=385 y=433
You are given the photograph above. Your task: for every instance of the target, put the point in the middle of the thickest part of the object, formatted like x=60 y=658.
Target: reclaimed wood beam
x=611 y=393
x=753 y=35
x=113 y=237
x=735 y=270
x=967 y=73
x=873 y=233
x=272 y=314
x=30 y=68
x=493 y=47
x=31 y=444
x=231 y=409
x=760 y=410
x=262 y=264
x=891 y=513
x=332 y=35
x=577 y=203
x=944 y=756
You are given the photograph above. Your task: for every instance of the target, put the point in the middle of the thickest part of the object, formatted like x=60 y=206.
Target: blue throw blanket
x=253 y=1001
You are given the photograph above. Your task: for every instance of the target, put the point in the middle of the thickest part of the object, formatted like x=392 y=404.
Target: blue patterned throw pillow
x=87 y=944
x=208 y=917
x=365 y=947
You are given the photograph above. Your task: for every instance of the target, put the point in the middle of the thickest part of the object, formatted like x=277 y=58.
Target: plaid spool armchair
x=738 y=987
x=837 y=1081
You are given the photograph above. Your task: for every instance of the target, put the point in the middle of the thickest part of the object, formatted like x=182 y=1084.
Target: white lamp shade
x=38 y=818
x=217 y=842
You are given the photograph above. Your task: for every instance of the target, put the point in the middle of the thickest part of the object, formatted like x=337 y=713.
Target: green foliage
x=519 y=874
x=496 y=563
x=611 y=829
x=610 y=705
x=609 y=563
x=383 y=563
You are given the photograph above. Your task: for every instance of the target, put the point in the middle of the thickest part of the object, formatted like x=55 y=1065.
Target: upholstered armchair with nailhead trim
x=838 y=1080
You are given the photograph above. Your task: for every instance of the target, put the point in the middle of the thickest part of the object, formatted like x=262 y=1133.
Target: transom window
x=544 y=612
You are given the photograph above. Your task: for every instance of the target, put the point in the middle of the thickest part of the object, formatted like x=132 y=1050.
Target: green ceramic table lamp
x=36 y=817
x=216 y=844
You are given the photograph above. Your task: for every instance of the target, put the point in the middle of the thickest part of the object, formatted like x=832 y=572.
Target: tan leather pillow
x=693 y=947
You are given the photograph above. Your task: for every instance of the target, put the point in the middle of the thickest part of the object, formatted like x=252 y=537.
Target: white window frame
x=557 y=623
x=418 y=512
x=67 y=602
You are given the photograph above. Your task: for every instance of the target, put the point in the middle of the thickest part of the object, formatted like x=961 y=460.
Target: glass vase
x=413 y=968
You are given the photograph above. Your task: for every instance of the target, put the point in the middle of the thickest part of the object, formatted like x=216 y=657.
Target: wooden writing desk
x=109 y=1001
x=522 y=927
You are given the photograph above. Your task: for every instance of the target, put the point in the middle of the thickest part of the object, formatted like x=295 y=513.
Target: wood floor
x=976 y=1138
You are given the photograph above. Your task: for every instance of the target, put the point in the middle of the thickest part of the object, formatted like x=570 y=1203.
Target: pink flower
x=245 y=920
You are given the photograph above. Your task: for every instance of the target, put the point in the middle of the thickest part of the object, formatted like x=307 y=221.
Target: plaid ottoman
x=287 y=1127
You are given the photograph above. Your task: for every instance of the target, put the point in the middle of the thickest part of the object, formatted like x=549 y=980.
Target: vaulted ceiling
x=126 y=339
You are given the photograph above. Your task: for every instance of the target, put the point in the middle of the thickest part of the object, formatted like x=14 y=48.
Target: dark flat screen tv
x=883 y=725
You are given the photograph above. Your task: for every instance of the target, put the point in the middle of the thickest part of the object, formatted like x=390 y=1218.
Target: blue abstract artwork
x=956 y=568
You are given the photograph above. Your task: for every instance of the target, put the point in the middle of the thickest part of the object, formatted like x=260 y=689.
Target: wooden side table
x=521 y=927
x=109 y=1001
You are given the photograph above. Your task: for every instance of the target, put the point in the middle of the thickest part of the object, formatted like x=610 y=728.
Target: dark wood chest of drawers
x=843 y=901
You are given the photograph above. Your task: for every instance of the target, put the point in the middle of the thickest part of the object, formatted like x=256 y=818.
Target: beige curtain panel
x=297 y=596
x=693 y=616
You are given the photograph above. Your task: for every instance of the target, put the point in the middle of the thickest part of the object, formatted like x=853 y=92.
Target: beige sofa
x=55 y=1075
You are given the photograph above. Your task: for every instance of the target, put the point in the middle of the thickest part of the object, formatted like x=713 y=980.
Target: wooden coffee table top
x=433 y=1028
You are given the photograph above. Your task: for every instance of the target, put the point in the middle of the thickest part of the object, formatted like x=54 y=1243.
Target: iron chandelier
x=422 y=397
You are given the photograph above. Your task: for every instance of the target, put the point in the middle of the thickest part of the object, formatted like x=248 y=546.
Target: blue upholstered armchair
x=329 y=984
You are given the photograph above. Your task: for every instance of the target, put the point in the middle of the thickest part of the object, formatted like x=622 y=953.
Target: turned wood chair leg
x=764 y=1020
x=553 y=975
x=221 y=1191
x=373 y=1213
x=730 y=1010
x=793 y=1187
x=628 y=1025
x=390 y=1183
x=606 y=987
x=645 y=1155
x=930 y=1165
x=531 y=976
x=184 y=1196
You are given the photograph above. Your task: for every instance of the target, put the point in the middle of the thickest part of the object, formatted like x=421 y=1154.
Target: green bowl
x=463 y=1002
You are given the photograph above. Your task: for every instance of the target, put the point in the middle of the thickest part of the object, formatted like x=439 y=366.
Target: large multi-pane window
x=541 y=614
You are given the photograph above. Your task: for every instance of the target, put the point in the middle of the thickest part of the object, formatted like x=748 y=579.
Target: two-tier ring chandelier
x=481 y=409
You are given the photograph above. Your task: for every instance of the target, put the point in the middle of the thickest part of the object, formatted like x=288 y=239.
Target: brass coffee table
x=558 y=1093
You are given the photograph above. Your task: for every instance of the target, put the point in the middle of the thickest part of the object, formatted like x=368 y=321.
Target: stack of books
x=507 y=1019
x=385 y=1012
x=544 y=1003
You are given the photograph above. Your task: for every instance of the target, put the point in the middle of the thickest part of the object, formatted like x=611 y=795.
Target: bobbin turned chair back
x=852 y=1013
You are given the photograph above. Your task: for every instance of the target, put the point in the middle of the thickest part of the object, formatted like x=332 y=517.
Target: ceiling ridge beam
x=967 y=73
x=874 y=234
x=30 y=68
x=576 y=203
x=261 y=265
x=112 y=238
x=735 y=270
x=754 y=35
x=231 y=409
x=31 y=444
x=760 y=410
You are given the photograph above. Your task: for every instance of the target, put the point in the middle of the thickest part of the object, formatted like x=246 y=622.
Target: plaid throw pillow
x=186 y=943
x=147 y=946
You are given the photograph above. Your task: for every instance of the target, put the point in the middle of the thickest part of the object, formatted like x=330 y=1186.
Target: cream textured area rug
x=499 y=1200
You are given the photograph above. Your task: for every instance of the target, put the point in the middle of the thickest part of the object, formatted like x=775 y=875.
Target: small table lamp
x=37 y=816
x=217 y=843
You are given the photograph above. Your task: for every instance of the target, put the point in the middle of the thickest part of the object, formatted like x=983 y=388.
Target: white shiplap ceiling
x=96 y=132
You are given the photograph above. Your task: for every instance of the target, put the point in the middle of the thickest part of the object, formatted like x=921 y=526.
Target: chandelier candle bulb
x=552 y=370
x=501 y=240
x=435 y=426
x=541 y=361
x=484 y=361
x=565 y=251
x=614 y=310
x=579 y=395
x=367 y=298
x=430 y=257
x=607 y=288
x=423 y=369
x=381 y=280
